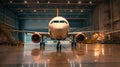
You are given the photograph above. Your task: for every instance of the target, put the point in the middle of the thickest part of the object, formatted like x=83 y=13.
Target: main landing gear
x=42 y=44
x=73 y=43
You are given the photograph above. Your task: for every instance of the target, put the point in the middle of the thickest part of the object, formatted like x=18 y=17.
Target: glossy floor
x=87 y=55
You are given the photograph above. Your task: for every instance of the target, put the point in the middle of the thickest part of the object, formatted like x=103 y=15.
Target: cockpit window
x=55 y=22
x=58 y=22
x=63 y=22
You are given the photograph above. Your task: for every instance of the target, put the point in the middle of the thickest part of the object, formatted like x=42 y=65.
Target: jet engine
x=80 y=37
x=36 y=37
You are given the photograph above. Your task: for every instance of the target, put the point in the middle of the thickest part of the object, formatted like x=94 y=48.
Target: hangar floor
x=88 y=55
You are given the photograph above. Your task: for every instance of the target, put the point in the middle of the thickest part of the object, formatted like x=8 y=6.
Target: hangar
x=28 y=38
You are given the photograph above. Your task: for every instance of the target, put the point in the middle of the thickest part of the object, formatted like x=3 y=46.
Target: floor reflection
x=58 y=59
x=84 y=55
x=36 y=53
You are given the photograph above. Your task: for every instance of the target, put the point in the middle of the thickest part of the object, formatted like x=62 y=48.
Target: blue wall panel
x=34 y=24
x=8 y=17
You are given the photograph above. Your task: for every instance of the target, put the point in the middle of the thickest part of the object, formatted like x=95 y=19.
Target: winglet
x=57 y=12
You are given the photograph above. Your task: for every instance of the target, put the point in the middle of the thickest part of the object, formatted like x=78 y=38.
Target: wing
x=32 y=32
x=84 y=32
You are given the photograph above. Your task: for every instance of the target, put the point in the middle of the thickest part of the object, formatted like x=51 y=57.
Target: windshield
x=59 y=22
x=63 y=22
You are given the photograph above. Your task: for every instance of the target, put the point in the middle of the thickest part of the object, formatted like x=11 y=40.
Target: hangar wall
x=8 y=19
x=42 y=24
x=107 y=17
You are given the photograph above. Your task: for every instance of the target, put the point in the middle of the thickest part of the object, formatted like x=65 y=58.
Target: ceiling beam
x=22 y=18
x=49 y=9
x=34 y=3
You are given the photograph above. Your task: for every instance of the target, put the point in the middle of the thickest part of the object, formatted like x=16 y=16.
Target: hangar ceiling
x=46 y=9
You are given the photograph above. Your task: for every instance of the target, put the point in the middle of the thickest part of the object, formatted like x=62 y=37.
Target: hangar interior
x=83 y=15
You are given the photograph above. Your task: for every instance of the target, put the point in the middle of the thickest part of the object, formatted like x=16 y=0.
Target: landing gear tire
x=73 y=45
x=59 y=47
x=42 y=45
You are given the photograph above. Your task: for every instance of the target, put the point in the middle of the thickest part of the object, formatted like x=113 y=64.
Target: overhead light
x=38 y=2
x=79 y=2
x=34 y=10
x=68 y=2
x=48 y=2
x=71 y=11
x=11 y=1
x=21 y=10
x=64 y=10
x=44 y=10
x=25 y=2
x=81 y=11
x=90 y=2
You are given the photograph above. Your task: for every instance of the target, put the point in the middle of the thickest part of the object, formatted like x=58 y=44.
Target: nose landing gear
x=59 y=46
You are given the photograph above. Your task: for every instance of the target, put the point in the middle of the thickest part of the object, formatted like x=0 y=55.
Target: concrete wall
x=8 y=19
x=107 y=17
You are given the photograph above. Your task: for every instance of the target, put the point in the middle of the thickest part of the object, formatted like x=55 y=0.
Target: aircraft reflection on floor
x=36 y=53
x=82 y=55
x=88 y=55
x=58 y=59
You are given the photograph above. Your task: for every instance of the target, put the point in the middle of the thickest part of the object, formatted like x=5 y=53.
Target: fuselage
x=58 y=28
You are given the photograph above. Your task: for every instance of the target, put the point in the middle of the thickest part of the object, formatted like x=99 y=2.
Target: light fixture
x=44 y=10
x=79 y=2
x=48 y=2
x=38 y=2
x=21 y=10
x=90 y=2
x=34 y=10
x=25 y=1
x=68 y=2
x=81 y=11
x=71 y=10
x=11 y=1
x=64 y=10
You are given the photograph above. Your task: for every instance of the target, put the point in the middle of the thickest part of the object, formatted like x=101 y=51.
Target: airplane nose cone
x=59 y=26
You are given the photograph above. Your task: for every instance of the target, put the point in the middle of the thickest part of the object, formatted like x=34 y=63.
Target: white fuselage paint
x=58 y=28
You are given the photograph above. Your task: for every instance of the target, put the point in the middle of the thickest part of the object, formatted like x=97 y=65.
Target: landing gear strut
x=73 y=43
x=42 y=44
x=58 y=47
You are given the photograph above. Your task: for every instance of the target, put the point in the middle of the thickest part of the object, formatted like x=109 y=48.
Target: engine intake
x=80 y=38
x=36 y=37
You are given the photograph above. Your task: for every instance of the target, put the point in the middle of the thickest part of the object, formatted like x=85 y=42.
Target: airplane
x=58 y=29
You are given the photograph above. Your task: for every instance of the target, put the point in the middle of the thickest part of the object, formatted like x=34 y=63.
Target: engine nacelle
x=80 y=37
x=36 y=37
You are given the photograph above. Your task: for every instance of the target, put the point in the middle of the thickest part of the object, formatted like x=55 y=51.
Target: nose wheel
x=58 y=47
